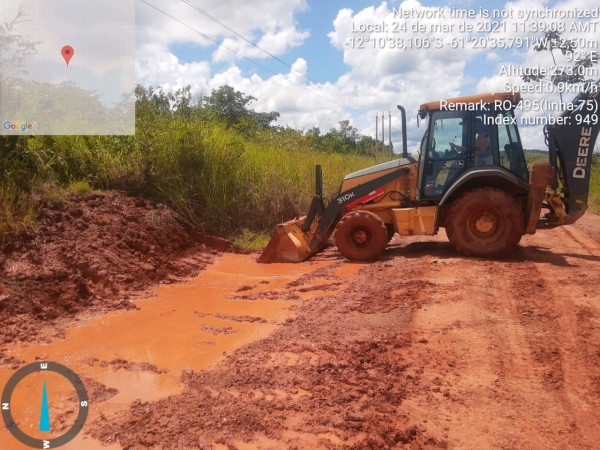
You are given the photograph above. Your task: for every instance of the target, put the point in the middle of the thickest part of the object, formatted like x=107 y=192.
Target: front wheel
x=361 y=236
x=485 y=222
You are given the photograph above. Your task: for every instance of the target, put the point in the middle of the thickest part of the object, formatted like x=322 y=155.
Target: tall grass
x=17 y=213
x=230 y=182
x=215 y=176
x=594 y=199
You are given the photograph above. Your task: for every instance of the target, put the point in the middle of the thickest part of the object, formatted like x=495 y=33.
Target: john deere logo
x=41 y=404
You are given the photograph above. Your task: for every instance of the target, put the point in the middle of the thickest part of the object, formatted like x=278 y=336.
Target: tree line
x=233 y=107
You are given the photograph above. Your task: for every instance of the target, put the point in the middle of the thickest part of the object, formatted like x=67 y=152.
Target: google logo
x=18 y=126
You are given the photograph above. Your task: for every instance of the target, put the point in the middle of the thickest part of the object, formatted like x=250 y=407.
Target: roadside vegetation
x=594 y=201
x=216 y=162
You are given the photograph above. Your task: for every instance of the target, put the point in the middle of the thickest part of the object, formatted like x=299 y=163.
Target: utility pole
x=383 y=129
x=376 y=129
x=390 y=133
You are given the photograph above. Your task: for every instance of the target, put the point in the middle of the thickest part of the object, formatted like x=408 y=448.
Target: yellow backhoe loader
x=471 y=179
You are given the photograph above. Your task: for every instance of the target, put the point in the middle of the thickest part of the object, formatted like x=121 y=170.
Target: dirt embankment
x=91 y=255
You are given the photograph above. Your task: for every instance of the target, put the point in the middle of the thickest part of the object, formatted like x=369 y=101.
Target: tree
x=347 y=132
x=232 y=106
x=551 y=41
x=14 y=48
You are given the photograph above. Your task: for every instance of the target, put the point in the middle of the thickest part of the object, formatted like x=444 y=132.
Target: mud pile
x=90 y=255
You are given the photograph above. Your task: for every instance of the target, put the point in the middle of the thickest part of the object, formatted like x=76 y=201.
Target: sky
x=309 y=71
x=344 y=82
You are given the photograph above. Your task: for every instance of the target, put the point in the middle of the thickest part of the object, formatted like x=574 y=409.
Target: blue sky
x=310 y=35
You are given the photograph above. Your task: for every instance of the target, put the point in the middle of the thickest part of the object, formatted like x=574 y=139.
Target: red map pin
x=67 y=53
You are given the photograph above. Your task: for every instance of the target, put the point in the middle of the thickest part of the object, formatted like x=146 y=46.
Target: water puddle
x=130 y=355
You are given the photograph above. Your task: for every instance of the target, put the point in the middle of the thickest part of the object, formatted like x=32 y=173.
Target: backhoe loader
x=471 y=178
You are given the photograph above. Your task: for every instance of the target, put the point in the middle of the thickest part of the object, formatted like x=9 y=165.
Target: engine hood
x=396 y=163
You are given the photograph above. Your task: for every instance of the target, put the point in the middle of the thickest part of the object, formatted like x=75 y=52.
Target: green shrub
x=250 y=240
x=17 y=213
x=80 y=187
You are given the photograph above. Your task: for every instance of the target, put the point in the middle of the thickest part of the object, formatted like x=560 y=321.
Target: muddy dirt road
x=421 y=349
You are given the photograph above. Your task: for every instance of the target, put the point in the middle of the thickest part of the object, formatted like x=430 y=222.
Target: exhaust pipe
x=319 y=180
x=404 y=150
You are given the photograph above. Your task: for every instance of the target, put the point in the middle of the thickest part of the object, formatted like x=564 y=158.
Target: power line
x=214 y=19
x=248 y=59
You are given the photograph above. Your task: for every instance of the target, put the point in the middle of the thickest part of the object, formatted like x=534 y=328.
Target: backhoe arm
x=571 y=146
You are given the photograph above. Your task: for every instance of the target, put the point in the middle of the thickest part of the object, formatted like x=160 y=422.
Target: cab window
x=446 y=152
x=511 y=154
x=482 y=139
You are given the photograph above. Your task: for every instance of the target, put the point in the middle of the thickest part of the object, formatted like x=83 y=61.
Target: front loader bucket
x=288 y=244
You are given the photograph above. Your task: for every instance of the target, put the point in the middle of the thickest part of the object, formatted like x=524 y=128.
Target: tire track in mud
x=544 y=412
x=571 y=300
x=470 y=349
x=524 y=333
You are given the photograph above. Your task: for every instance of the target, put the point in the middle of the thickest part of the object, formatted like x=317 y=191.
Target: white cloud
x=378 y=78
x=274 y=42
x=271 y=22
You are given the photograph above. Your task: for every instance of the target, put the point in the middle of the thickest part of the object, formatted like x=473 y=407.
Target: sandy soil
x=421 y=349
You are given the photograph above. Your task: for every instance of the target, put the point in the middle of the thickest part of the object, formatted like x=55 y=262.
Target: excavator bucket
x=288 y=244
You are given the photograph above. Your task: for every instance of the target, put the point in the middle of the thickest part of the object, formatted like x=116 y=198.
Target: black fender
x=475 y=177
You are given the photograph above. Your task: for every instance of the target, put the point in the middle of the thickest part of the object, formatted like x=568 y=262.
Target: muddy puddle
x=125 y=356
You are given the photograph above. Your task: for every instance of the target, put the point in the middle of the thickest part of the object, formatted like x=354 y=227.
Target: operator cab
x=468 y=133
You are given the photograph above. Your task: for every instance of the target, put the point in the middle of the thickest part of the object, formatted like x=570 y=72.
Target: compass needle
x=45 y=415
x=46 y=442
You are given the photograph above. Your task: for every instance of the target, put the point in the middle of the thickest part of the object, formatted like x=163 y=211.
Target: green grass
x=594 y=199
x=81 y=188
x=49 y=194
x=250 y=240
x=533 y=156
x=18 y=213
x=228 y=182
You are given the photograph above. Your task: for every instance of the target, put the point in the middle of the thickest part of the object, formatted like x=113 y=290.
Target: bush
x=80 y=187
x=17 y=213
x=594 y=199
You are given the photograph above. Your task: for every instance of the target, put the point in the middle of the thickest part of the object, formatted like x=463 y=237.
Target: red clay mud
x=338 y=367
x=91 y=255
x=422 y=349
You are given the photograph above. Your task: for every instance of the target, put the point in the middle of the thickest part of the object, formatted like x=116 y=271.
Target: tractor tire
x=391 y=232
x=361 y=236
x=485 y=222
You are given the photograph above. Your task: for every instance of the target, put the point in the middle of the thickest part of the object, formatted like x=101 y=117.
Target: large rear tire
x=361 y=236
x=485 y=222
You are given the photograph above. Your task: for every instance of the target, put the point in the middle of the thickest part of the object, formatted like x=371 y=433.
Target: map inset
x=67 y=67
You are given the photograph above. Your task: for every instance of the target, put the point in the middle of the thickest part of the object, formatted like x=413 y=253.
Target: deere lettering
x=582 y=153
x=345 y=197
